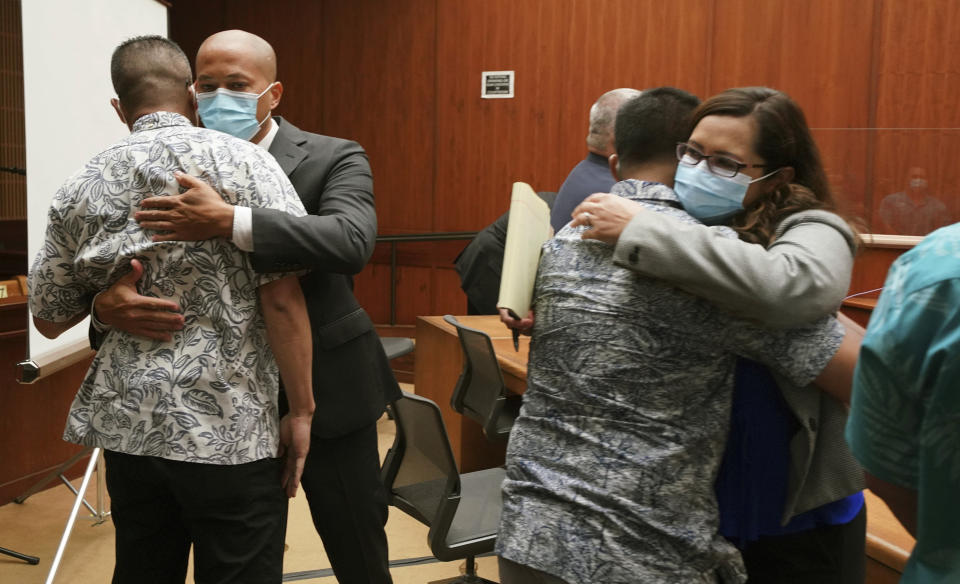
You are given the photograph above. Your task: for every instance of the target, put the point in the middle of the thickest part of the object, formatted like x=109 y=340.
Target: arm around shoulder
x=803 y=275
x=836 y=379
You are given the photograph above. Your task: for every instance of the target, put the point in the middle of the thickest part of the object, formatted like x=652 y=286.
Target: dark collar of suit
x=286 y=147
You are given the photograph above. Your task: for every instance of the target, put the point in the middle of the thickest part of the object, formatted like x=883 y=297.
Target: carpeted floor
x=36 y=526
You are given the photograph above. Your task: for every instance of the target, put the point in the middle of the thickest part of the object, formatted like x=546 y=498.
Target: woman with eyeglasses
x=789 y=490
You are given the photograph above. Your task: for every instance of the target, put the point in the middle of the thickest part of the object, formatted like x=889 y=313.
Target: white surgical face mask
x=711 y=198
x=231 y=112
x=918 y=183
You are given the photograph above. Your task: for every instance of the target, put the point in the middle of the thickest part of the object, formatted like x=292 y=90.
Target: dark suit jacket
x=480 y=265
x=352 y=380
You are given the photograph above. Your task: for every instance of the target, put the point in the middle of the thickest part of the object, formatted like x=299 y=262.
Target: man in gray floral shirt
x=189 y=426
x=611 y=464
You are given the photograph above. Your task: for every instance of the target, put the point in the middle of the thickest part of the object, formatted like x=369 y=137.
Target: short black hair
x=149 y=70
x=649 y=126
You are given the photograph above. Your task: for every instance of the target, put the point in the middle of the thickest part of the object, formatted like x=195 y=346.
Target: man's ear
x=115 y=102
x=194 y=105
x=784 y=177
x=614 y=162
x=275 y=93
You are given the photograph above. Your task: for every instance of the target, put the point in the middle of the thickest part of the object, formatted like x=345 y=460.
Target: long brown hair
x=783 y=139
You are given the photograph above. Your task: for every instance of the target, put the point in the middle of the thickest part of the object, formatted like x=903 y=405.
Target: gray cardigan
x=803 y=275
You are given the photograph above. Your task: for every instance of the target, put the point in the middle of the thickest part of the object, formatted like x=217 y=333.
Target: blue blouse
x=751 y=485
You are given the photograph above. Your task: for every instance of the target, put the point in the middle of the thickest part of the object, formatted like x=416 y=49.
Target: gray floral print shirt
x=210 y=395
x=611 y=464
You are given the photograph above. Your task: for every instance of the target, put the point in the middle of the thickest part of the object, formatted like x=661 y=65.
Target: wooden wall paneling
x=420 y=253
x=13 y=151
x=379 y=89
x=427 y=284
x=846 y=155
x=917 y=83
x=919 y=71
x=191 y=22
x=565 y=55
x=414 y=293
x=818 y=52
x=294 y=31
x=372 y=289
x=299 y=56
x=379 y=70
x=624 y=44
x=448 y=298
x=870 y=268
x=483 y=146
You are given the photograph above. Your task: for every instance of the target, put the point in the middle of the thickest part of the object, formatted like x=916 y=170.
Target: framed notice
x=496 y=84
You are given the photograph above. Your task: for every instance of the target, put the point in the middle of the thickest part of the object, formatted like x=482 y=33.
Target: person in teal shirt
x=904 y=424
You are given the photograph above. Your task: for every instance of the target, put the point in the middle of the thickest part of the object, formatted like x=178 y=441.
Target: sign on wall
x=496 y=84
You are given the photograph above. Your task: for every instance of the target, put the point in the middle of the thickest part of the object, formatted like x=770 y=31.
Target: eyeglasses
x=718 y=164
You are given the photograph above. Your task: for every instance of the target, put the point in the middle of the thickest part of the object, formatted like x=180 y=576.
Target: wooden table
x=437 y=368
x=859 y=308
x=438 y=364
x=888 y=543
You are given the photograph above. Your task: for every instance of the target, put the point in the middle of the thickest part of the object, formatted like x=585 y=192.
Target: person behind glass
x=591 y=174
x=912 y=211
x=237 y=90
x=611 y=463
x=189 y=425
x=789 y=490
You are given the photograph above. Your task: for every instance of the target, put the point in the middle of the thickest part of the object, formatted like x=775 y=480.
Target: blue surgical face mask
x=708 y=197
x=231 y=112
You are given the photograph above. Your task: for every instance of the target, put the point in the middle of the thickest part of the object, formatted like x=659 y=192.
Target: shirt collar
x=597 y=159
x=642 y=190
x=160 y=120
x=267 y=140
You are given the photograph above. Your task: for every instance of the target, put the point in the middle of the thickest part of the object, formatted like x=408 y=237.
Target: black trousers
x=234 y=516
x=349 y=505
x=830 y=554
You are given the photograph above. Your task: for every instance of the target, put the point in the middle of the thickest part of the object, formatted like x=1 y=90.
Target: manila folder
x=527 y=229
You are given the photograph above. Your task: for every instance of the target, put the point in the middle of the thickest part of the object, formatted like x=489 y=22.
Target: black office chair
x=396 y=346
x=422 y=480
x=480 y=393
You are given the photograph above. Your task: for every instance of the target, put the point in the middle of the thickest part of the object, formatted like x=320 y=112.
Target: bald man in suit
x=352 y=377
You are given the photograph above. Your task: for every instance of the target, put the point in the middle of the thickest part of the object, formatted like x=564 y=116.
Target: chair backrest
x=480 y=393
x=420 y=473
x=422 y=480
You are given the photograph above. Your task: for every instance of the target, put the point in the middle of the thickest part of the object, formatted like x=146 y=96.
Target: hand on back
x=606 y=215
x=122 y=306
x=198 y=213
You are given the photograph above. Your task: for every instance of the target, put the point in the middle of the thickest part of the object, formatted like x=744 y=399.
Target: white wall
x=67 y=46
